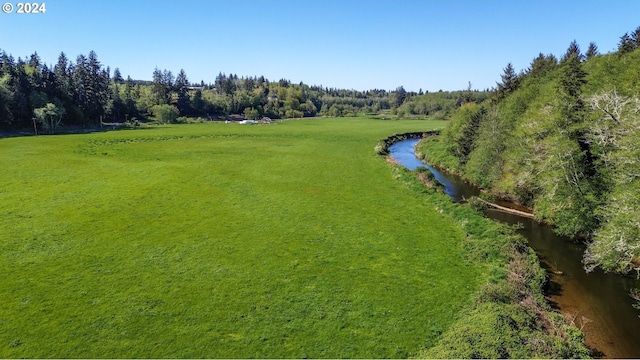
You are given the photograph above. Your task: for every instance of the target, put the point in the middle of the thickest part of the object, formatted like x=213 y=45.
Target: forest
x=86 y=93
x=561 y=137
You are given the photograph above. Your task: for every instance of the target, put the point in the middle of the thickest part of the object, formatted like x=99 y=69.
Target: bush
x=165 y=113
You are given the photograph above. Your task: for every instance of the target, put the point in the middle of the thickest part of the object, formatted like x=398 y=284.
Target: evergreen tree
x=542 y=64
x=48 y=81
x=129 y=99
x=182 y=86
x=117 y=77
x=6 y=64
x=509 y=84
x=62 y=78
x=6 y=117
x=34 y=61
x=626 y=44
x=400 y=96
x=592 y=50
x=635 y=38
x=21 y=88
x=158 y=90
x=198 y=103
x=571 y=168
x=573 y=51
x=97 y=87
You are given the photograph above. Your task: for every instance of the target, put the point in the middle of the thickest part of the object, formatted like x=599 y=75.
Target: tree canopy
x=561 y=137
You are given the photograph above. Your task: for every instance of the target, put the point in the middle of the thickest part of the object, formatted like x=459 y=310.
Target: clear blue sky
x=428 y=44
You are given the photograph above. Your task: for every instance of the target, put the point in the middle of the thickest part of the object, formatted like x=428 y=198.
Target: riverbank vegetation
x=510 y=317
x=561 y=137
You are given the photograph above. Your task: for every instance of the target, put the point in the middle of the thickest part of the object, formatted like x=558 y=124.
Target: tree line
x=561 y=137
x=86 y=93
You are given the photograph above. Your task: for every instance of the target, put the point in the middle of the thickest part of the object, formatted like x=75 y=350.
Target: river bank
x=508 y=316
x=597 y=303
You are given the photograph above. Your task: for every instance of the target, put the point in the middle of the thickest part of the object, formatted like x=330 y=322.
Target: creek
x=598 y=303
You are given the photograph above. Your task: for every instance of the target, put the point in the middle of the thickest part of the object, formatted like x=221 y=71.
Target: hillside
x=561 y=137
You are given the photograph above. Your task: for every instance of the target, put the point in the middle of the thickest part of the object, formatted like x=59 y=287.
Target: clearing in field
x=222 y=240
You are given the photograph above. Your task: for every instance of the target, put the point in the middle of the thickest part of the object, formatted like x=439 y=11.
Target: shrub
x=165 y=113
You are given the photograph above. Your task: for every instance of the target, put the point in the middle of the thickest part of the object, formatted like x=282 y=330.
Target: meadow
x=221 y=240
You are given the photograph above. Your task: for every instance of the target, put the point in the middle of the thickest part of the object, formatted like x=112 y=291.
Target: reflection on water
x=599 y=302
x=404 y=154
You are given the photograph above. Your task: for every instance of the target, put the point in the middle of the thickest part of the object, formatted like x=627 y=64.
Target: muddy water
x=599 y=303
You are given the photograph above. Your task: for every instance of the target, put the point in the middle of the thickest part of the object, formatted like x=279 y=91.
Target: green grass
x=222 y=240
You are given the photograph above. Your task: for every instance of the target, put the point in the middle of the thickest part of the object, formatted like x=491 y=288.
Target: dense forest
x=86 y=93
x=562 y=138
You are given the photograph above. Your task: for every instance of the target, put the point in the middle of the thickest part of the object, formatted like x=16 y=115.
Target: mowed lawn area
x=223 y=240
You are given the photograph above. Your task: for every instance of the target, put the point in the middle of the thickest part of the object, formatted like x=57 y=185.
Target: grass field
x=222 y=240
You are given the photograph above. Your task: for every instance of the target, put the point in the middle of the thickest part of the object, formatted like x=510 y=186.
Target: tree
x=573 y=51
x=50 y=116
x=509 y=84
x=251 y=113
x=162 y=86
x=635 y=37
x=626 y=44
x=62 y=78
x=21 y=87
x=197 y=102
x=570 y=102
x=168 y=81
x=98 y=92
x=567 y=173
x=542 y=64
x=400 y=96
x=165 y=113
x=592 y=50
x=6 y=117
x=117 y=77
x=463 y=130
x=34 y=61
x=616 y=245
x=182 y=87
x=90 y=87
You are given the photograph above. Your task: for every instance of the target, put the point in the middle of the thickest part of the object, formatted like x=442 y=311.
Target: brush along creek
x=596 y=302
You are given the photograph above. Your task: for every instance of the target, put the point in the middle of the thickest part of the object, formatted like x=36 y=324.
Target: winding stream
x=599 y=302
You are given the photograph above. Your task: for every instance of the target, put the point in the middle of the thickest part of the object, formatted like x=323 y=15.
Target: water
x=404 y=154
x=599 y=302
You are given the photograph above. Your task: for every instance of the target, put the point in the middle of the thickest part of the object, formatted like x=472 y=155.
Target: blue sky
x=352 y=44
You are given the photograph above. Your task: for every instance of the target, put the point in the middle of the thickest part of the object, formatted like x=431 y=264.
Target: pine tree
x=79 y=82
x=592 y=50
x=157 y=88
x=21 y=87
x=572 y=177
x=573 y=51
x=542 y=64
x=62 y=78
x=400 y=96
x=635 y=37
x=570 y=91
x=98 y=92
x=509 y=84
x=626 y=44
x=117 y=77
x=34 y=61
x=182 y=86
x=6 y=117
